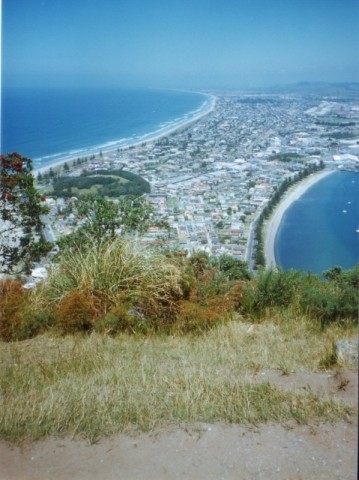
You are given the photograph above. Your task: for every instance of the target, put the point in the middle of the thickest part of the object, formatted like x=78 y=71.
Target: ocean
x=321 y=229
x=50 y=124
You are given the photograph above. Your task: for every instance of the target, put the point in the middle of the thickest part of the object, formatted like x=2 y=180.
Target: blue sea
x=50 y=124
x=321 y=229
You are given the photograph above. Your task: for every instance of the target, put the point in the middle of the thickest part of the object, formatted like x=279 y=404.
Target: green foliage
x=336 y=299
x=233 y=268
x=20 y=210
x=100 y=219
x=286 y=157
x=326 y=301
x=271 y=289
x=109 y=183
x=122 y=318
x=32 y=323
x=116 y=285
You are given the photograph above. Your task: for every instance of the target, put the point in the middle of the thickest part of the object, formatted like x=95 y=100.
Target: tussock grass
x=112 y=285
x=109 y=269
x=96 y=385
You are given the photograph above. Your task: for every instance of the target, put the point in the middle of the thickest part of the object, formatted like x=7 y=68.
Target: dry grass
x=108 y=270
x=96 y=385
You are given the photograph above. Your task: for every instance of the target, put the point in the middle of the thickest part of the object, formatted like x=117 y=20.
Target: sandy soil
x=204 y=451
x=274 y=222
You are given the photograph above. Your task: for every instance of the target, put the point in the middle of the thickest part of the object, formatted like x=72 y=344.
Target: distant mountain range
x=317 y=88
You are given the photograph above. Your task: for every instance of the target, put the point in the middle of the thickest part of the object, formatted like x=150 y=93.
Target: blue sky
x=179 y=43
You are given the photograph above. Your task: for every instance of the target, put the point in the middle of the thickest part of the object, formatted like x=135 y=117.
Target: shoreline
x=274 y=222
x=207 y=107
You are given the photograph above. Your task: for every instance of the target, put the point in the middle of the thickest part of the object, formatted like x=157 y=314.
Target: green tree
x=20 y=210
x=102 y=219
x=233 y=268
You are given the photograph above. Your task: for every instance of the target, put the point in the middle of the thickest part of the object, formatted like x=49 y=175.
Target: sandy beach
x=293 y=194
x=207 y=107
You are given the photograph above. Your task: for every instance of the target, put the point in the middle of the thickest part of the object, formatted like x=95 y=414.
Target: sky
x=179 y=43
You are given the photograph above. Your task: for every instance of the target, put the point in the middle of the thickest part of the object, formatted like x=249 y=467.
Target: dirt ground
x=204 y=451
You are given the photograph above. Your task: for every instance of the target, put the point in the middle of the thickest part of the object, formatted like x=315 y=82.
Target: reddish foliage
x=194 y=317
x=12 y=299
x=77 y=312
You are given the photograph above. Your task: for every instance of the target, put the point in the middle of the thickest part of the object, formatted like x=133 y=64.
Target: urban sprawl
x=211 y=178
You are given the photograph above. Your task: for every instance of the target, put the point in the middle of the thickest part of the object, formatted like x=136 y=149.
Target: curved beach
x=275 y=220
x=207 y=107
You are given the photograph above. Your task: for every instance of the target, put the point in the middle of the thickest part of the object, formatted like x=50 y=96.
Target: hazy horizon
x=202 y=44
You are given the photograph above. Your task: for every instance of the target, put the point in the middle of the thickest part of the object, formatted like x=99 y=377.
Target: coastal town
x=211 y=178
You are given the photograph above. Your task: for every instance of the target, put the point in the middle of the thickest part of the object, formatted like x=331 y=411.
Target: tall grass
x=99 y=278
x=109 y=269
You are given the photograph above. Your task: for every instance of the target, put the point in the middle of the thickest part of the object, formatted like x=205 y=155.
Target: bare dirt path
x=270 y=452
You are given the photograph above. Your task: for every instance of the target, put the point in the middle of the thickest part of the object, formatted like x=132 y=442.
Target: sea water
x=321 y=229
x=49 y=124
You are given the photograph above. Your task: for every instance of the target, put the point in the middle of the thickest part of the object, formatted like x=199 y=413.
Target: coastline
x=293 y=194
x=207 y=107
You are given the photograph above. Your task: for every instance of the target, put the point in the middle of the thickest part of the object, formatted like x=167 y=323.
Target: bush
x=77 y=312
x=271 y=289
x=32 y=324
x=12 y=300
x=204 y=278
x=18 y=321
x=122 y=318
x=337 y=299
x=233 y=268
x=193 y=317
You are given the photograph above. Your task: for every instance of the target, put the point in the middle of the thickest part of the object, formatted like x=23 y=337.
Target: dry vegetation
x=120 y=339
x=97 y=385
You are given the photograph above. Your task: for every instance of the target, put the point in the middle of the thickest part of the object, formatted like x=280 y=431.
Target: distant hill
x=350 y=89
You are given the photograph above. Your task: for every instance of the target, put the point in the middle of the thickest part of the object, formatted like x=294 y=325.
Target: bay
x=321 y=229
x=49 y=124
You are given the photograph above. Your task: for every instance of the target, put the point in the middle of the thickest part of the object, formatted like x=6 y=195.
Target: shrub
x=337 y=299
x=19 y=319
x=193 y=317
x=271 y=289
x=204 y=278
x=233 y=268
x=121 y=318
x=12 y=301
x=33 y=323
x=77 y=312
